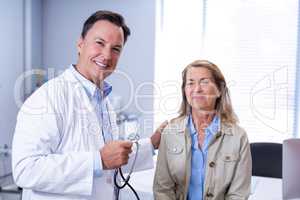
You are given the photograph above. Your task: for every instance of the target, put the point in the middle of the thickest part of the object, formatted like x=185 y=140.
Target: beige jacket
x=228 y=167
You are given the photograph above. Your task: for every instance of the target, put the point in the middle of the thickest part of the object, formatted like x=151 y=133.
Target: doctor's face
x=99 y=51
x=200 y=89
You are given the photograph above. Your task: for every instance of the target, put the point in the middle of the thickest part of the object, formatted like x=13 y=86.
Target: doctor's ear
x=79 y=45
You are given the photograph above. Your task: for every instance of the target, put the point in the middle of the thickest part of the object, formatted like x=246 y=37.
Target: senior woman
x=203 y=153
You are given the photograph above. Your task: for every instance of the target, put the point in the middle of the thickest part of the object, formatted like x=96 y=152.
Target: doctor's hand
x=115 y=154
x=155 y=138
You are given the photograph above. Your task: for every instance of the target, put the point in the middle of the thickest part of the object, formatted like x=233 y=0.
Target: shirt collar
x=191 y=125
x=90 y=87
x=213 y=127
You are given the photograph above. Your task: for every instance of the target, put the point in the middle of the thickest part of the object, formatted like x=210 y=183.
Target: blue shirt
x=199 y=157
x=94 y=95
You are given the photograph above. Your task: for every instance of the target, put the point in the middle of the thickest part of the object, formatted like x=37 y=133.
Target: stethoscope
x=133 y=138
x=120 y=181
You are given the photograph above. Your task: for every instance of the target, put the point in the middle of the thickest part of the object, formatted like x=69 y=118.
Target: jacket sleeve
x=163 y=186
x=36 y=163
x=240 y=185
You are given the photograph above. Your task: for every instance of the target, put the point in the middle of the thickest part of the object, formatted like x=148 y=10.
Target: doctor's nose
x=106 y=53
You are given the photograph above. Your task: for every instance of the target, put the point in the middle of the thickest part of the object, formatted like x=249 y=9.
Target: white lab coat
x=56 y=136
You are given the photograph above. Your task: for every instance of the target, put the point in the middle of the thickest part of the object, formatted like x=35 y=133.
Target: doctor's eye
x=117 y=50
x=99 y=42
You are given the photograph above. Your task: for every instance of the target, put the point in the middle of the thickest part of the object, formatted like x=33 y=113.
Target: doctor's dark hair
x=112 y=17
x=223 y=105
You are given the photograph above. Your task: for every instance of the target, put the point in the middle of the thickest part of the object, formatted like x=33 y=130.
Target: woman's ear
x=218 y=94
x=221 y=90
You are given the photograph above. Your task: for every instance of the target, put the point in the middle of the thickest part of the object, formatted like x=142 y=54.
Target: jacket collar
x=179 y=125
x=226 y=128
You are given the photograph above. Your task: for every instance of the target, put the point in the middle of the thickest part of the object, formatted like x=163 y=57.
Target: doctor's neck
x=96 y=80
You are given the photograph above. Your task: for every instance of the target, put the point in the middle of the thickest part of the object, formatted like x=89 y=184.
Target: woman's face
x=200 y=89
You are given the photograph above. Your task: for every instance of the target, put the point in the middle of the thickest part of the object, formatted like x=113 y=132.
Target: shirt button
x=174 y=149
x=212 y=164
x=227 y=158
x=209 y=194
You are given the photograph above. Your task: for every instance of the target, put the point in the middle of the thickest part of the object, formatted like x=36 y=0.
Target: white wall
x=11 y=63
x=33 y=40
x=62 y=24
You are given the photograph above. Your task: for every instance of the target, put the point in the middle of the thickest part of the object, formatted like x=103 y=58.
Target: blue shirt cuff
x=98 y=168
x=153 y=150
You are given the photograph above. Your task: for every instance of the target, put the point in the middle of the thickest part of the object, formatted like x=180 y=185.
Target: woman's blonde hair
x=223 y=105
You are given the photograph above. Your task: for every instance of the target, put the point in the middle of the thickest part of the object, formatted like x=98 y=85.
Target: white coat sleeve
x=145 y=151
x=36 y=163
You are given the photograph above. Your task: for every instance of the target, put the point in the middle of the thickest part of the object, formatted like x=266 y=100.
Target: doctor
x=65 y=146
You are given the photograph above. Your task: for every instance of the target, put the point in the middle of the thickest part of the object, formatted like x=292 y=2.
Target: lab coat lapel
x=113 y=121
x=85 y=109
